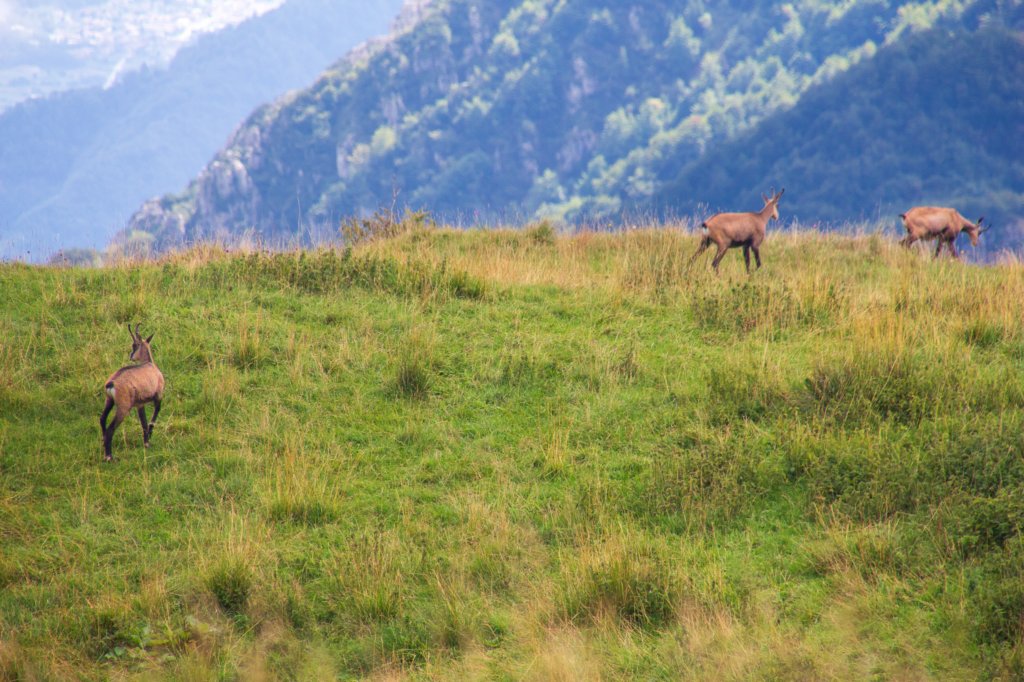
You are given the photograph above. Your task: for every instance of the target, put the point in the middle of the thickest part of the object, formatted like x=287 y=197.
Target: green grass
x=509 y=455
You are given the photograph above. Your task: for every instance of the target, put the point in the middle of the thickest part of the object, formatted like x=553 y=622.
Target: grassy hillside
x=515 y=455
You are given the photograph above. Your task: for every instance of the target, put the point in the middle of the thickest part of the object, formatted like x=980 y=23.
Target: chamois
x=729 y=230
x=943 y=224
x=132 y=387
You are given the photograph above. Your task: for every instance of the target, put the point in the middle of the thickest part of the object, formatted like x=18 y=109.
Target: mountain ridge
x=571 y=111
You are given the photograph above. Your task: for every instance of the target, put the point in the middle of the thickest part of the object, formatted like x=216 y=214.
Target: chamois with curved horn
x=944 y=224
x=729 y=230
x=131 y=387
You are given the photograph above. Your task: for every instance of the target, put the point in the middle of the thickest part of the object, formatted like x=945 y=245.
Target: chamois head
x=773 y=201
x=975 y=230
x=140 y=346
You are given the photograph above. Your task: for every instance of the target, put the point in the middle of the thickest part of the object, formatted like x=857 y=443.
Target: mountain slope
x=936 y=119
x=73 y=167
x=572 y=109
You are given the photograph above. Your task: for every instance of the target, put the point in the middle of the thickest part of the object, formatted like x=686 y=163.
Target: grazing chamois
x=729 y=230
x=943 y=224
x=132 y=387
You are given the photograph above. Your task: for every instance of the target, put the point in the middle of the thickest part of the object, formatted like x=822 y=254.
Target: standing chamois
x=729 y=230
x=943 y=224
x=132 y=387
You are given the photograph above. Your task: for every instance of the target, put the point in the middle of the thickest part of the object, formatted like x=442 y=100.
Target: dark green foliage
x=932 y=119
x=406 y=639
x=628 y=583
x=740 y=390
x=909 y=386
x=108 y=630
x=230 y=582
x=305 y=512
x=996 y=591
x=703 y=478
x=412 y=378
x=966 y=481
x=984 y=334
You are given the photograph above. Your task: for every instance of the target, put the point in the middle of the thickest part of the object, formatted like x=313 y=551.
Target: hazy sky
x=48 y=45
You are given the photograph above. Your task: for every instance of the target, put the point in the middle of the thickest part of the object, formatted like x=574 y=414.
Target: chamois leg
x=705 y=242
x=108 y=435
x=938 y=247
x=757 y=256
x=156 y=411
x=746 y=256
x=907 y=241
x=719 y=256
x=103 y=417
x=145 y=425
x=953 y=251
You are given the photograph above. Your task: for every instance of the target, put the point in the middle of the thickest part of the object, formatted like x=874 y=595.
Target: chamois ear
x=779 y=195
x=150 y=337
x=764 y=198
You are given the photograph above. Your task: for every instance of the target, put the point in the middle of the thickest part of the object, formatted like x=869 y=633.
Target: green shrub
x=633 y=585
x=742 y=390
x=230 y=582
x=702 y=478
x=383 y=224
x=996 y=594
x=908 y=386
x=867 y=477
x=108 y=630
x=302 y=511
x=412 y=376
x=984 y=334
x=407 y=640
x=977 y=524
x=541 y=233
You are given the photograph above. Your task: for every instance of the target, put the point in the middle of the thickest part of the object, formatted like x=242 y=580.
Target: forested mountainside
x=934 y=119
x=74 y=166
x=569 y=109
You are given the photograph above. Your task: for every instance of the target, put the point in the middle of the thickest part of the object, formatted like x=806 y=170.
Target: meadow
x=516 y=454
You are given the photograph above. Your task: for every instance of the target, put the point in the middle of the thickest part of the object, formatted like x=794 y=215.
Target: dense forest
x=75 y=165
x=572 y=110
x=928 y=121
